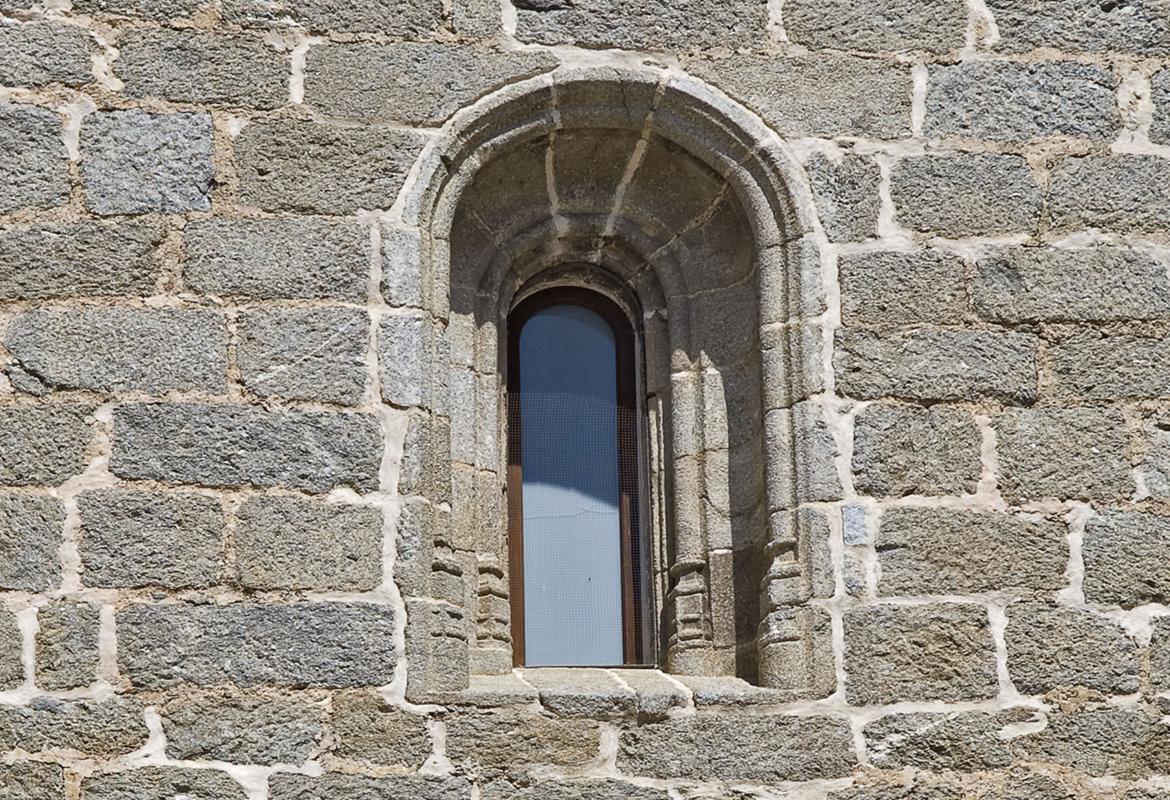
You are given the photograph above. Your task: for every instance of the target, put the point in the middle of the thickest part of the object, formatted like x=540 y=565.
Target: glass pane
x=572 y=535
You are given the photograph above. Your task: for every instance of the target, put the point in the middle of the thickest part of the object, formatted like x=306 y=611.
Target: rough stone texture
x=966 y=741
x=67 y=645
x=116 y=350
x=925 y=551
x=1123 y=193
x=138 y=161
x=357 y=787
x=572 y=790
x=41 y=53
x=936 y=26
x=1155 y=466
x=162 y=783
x=496 y=742
x=1129 y=742
x=1002 y=101
x=224 y=445
x=1050 y=646
x=581 y=692
x=901 y=450
x=846 y=193
x=725 y=748
x=245 y=729
x=287 y=165
x=31 y=530
x=397 y=18
x=966 y=194
x=146 y=9
x=411 y=82
x=1125 y=561
x=1160 y=91
x=190 y=67
x=85 y=258
x=11 y=663
x=1160 y=655
x=101 y=729
x=366 y=728
x=920 y=789
x=305 y=644
x=31 y=780
x=291 y=543
x=42 y=444
x=1066 y=453
x=902 y=288
x=300 y=354
x=818 y=95
x=1139 y=27
x=32 y=158
x=654 y=25
x=919 y=653
x=407 y=345
x=1097 y=366
x=135 y=539
x=936 y=364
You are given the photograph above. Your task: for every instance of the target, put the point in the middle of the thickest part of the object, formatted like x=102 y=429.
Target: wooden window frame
x=629 y=480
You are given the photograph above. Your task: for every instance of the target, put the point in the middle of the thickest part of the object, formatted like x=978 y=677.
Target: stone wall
x=208 y=409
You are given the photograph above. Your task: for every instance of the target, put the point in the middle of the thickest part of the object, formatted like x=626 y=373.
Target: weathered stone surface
x=239 y=728
x=936 y=26
x=816 y=95
x=366 y=728
x=901 y=450
x=396 y=18
x=582 y=692
x=1097 y=284
x=655 y=25
x=893 y=288
x=428 y=81
x=936 y=364
x=40 y=53
x=288 y=165
x=1066 y=453
x=292 y=543
x=846 y=192
x=11 y=664
x=42 y=444
x=112 y=349
x=409 y=345
x=1124 y=193
x=968 y=741
x=67 y=645
x=1155 y=466
x=1136 y=26
x=919 y=653
x=304 y=354
x=356 y=787
x=501 y=741
x=32 y=780
x=1095 y=365
x=147 y=9
x=1127 y=742
x=1160 y=655
x=135 y=539
x=966 y=194
x=191 y=67
x=305 y=644
x=31 y=530
x=1125 y=560
x=102 y=730
x=224 y=445
x=1052 y=646
x=139 y=161
x=941 y=551
x=162 y=783
x=78 y=259
x=572 y=790
x=32 y=158
x=726 y=748
x=1160 y=92
x=268 y=259
x=1006 y=101
x=916 y=789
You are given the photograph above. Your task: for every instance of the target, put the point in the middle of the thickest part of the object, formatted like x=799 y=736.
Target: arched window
x=576 y=543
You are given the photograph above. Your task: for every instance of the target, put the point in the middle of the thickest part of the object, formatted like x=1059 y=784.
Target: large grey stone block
x=33 y=161
x=41 y=53
x=1125 y=561
x=209 y=69
x=397 y=18
x=894 y=288
x=571 y=790
x=497 y=742
x=428 y=81
x=67 y=645
x=293 y=543
x=103 y=729
x=157 y=10
x=32 y=780
x=304 y=354
x=926 y=551
x=1013 y=102
x=78 y=259
x=1160 y=94
x=655 y=25
x=1065 y=453
x=1155 y=464
x=366 y=728
x=1128 y=742
x=136 y=539
x=901 y=450
x=966 y=194
x=231 y=445
x=916 y=789
x=1052 y=646
x=43 y=444
x=936 y=26
x=241 y=728
x=333 y=786
x=31 y=530
x=846 y=193
x=968 y=741
x=412 y=360
x=1123 y=193
x=1138 y=27
x=113 y=349
x=11 y=657
x=304 y=644
x=289 y=165
x=162 y=783
x=1095 y=365
x=134 y=162
x=1160 y=655
x=936 y=364
x=816 y=95
x=919 y=653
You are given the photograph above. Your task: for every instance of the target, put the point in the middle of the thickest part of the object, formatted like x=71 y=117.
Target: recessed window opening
x=576 y=555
